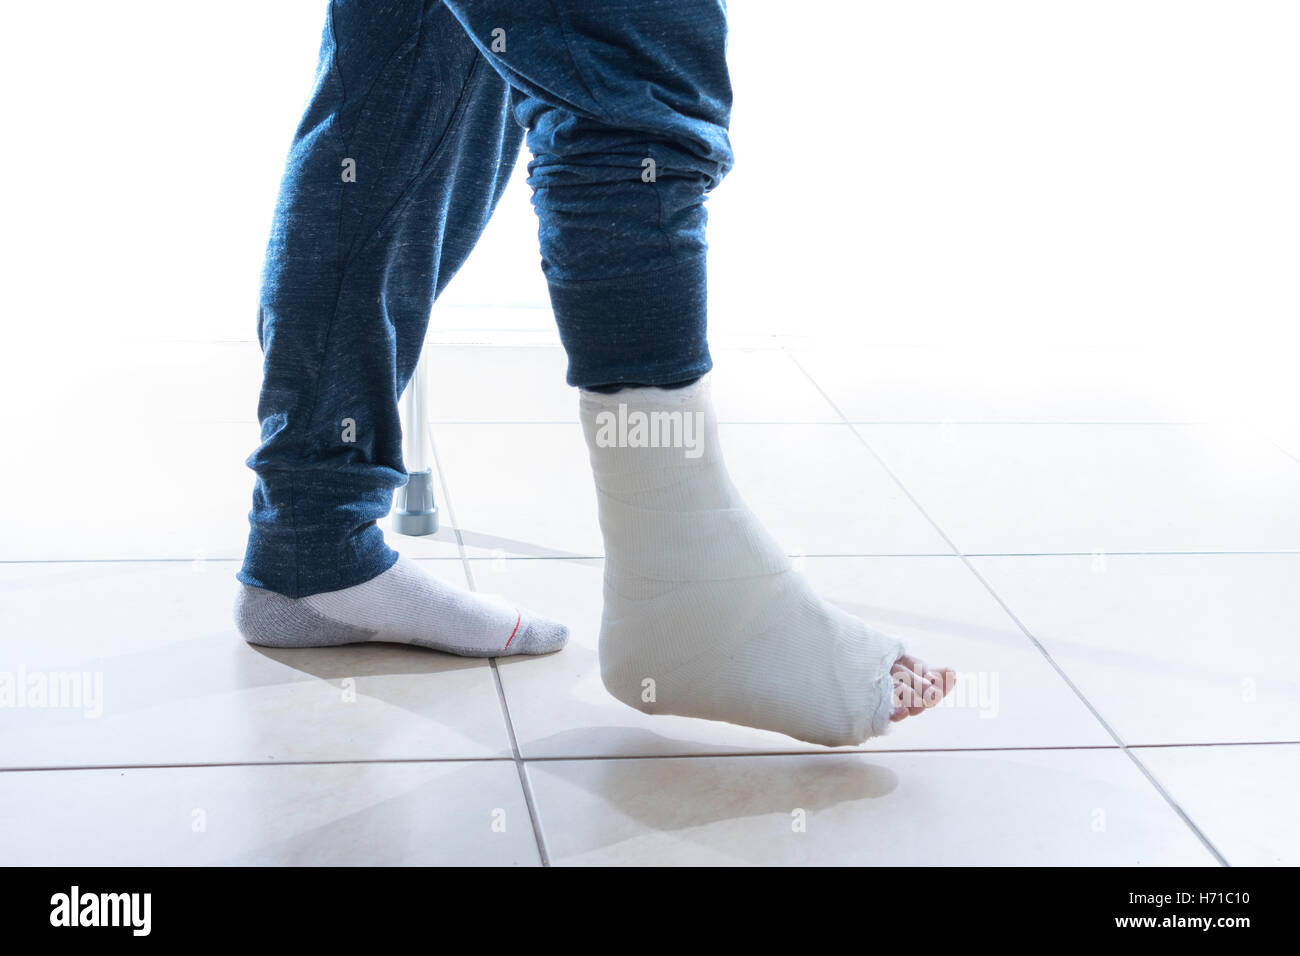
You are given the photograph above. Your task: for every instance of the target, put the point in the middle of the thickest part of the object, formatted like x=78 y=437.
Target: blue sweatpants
x=414 y=124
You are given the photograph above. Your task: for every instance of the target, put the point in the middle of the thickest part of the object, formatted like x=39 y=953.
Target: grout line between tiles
x=1219 y=743
x=702 y=755
x=534 y=817
x=1121 y=554
x=524 y=783
x=1173 y=804
x=1285 y=450
x=1176 y=806
x=598 y=557
x=217 y=764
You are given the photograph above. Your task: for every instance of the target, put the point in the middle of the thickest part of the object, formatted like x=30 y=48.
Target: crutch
x=414 y=511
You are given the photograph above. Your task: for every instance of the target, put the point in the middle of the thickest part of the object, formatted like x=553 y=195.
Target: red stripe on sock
x=514 y=632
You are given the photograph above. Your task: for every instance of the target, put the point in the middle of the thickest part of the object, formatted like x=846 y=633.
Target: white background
x=1000 y=174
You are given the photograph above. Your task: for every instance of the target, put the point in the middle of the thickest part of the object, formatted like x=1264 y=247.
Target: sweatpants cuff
x=648 y=328
x=288 y=555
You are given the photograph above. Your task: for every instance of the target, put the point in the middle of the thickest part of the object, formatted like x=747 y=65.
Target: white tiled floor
x=1113 y=577
x=1170 y=648
x=339 y=814
x=1039 y=488
x=1243 y=798
x=1012 y=807
x=1289 y=440
x=904 y=384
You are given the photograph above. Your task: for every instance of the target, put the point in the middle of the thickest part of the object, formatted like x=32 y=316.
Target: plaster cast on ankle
x=704 y=615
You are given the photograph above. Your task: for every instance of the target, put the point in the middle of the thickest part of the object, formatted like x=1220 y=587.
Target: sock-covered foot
x=704 y=615
x=404 y=605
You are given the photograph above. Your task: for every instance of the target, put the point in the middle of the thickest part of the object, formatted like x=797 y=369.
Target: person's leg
x=627 y=105
x=401 y=156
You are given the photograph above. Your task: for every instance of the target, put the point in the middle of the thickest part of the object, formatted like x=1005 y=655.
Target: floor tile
x=1241 y=798
x=765 y=385
x=162 y=677
x=1168 y=648
x=117 y=490
x=1060 y=807
x=492 y=383
x=450 y=814
x=1289 y=440
x=1028 y=384
x=520 y=489
x=819 y=491
x=1012 y=489
x=150 y=381
x=527 y=490
x=1007 y=695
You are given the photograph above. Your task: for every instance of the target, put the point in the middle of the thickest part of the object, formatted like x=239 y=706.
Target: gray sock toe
x=540 y=636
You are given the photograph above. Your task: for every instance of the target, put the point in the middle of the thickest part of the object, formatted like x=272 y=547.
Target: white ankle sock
x=404 y=605
x=704 y=615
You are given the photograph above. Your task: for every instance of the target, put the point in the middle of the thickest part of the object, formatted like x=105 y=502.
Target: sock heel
x=268 y=619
